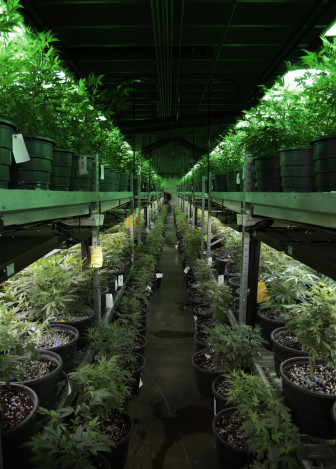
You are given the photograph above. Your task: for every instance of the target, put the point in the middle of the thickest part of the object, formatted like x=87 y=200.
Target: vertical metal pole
x=209 y=218
x=157 y=202
x=246 y=240
x=139 y=210
x=95 y=241
x=254 y=260
x=132 y=209
x=203 y=216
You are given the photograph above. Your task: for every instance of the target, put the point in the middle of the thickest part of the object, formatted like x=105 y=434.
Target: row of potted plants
x=296 y=296
x=42 y=100
x=290 y=133
x=118 y=365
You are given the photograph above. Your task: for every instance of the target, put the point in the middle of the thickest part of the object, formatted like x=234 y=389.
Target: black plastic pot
x=61 y=169
x=220 y=183
x=297 y=169
x=34 y=174
x=7 y=129
x=228 y=456
x=199 y=344
x=136 y=375
x=199 y=326
x=47 y=387
x=14 y=437
x=267 y=171
x=221 y=264
x=311 y=410
x=81 y=325
x=281 y=352
x=266 y=328
x=203 y=377
x=118 y=455
x=231 y=181
x=220 y=401
x=78 y=181
x=324 y=156
x=68 y=350
x=198 y=310
x=234 y=282
x=107 y=184
x=333 y=413
x=196 y=299
x=123 y=182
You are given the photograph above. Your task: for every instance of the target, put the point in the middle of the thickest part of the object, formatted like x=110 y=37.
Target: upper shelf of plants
x=291 y=138
x=59 y=149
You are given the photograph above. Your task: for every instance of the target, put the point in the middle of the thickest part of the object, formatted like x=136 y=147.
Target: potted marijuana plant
x=309 y=383
x=103 y=389
x=227 y=348
x=60 y=444
x=257 y=430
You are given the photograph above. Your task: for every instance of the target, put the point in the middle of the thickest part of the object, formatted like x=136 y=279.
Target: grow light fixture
x=331 y=32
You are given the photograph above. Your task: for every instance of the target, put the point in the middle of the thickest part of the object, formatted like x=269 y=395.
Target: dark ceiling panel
x=176 y=54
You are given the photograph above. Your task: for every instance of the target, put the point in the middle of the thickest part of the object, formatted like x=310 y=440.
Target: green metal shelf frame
x=18 y=207
x=312 y=208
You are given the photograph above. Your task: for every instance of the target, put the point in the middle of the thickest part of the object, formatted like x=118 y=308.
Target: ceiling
x=194 y=64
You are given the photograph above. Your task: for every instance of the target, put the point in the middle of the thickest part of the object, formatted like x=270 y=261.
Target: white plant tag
x=220 y=279
x=116 y=285
x=10 y=269
x=140 y=383
x=120 y=280
x=210 y=261
x=159 y=275
x=215 y=406
x=20 y=151
x=83 y=165
x=207 y=355
x=186 y=270
x=238 y=178
x=176 y=246
x=109 y=300
x=148 y=288
x=102 y=175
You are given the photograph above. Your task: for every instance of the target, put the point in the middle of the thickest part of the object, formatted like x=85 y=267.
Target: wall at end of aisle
x=170 y=186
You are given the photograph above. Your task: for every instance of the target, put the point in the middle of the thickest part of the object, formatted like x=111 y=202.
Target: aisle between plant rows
x=172 y=422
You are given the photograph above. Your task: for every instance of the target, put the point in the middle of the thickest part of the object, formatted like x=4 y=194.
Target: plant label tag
x=116 y=286
x=140 y=382
x=220 y=279
x=215 y=406
x=186 y=270
x=83 y=165
x=176 y=246
x=120 y=280
x=109 y=300
x=210 y=261
x=159 y=275
x=10 y=270
x=102 y=175
x=20 y=151
x=148 y=288
x=96 y=256
x=238 y=178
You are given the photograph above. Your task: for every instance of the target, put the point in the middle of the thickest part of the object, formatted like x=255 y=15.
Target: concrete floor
x=172 y=422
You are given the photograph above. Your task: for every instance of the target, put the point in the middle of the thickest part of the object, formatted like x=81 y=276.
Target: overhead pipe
x=233 y=8
x=179 y=59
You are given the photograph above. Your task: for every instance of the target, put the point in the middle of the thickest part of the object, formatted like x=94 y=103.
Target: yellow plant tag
x=262 y=292
x=96 y=256
x=136 y=221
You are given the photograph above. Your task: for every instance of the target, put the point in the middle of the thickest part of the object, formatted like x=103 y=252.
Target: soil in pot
x=43 y=376
x=205 y=372
x=310 y=402
x=202 y=310
x=285 y=345
x=19 y=408
x=119 y=428
x=138 y=344
x=197 y=299
x=61 y=339
x=80 y=321
x=219 y=390
x=231 y=441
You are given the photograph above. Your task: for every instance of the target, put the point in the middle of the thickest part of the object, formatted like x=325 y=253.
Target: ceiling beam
x=170 y=123
x=190 y=146
x=156 y=145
